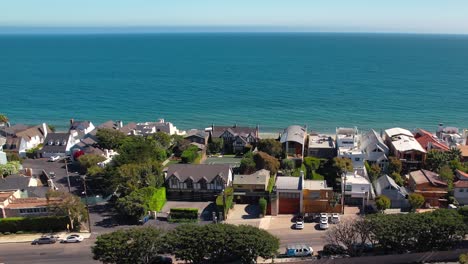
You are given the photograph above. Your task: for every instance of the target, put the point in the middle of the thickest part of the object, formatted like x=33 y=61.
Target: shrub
x=36 y=224
x=189 y=155
x=183 y=214
x=271 y=183
x=262 y=202
x=228 y=192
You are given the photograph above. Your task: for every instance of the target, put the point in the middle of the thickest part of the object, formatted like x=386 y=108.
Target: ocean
x=322 y=80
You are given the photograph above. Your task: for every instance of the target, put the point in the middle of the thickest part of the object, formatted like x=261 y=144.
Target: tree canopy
x=270 y=146
x=342 y=165
x=133 y=176
x=394 y=165
x=67 y=204
x=215 y=145
x=416 y=200
x=267 y=162
x=131 y=246
x=88 y=161
x=110 y=138
x=3 y=118
x=136 y=149
x=382 y=202
x=247 y=164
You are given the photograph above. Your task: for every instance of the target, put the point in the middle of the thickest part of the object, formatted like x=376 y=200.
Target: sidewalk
x=25 y=238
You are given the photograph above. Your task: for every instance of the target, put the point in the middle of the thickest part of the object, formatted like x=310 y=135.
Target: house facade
x=404 y=146
x=289 y=195
x=348 y=146
x=249 y=188
x=197 y=181
x=21 y=138
x=460 y=187
x=148 y=128
x=197 y=136
x=356 y=189
x=293 y=141
x=79 y=129
x=430 y=185
x=57 y=144
x=374 y=149
x=321 y=146
x=318 y=198
x=235 y=138
x=398 y=195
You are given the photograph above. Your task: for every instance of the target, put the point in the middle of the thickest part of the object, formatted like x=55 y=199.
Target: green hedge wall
x=33 y=224
x=262 y=202
x=184 y=213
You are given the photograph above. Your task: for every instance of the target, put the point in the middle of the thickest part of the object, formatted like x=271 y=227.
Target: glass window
x=461 y=189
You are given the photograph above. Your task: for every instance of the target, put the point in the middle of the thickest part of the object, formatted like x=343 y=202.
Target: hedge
x=190 y=154
x=262 y=202
x=229 y=193
x=155 y=198
x=33 y=224
x=184 y=213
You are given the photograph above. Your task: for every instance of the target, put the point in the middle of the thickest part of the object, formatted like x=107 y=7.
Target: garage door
x=288 y=205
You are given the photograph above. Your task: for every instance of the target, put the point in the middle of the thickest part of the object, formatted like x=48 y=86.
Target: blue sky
x=423 y=16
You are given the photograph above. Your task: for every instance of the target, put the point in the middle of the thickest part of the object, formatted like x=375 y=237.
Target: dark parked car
x=162 y=260
x=44 y=240
x=333 y=251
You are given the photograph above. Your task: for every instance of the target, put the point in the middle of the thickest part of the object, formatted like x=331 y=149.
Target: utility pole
x=343 y=182
x=68 y=175
x=86 y=202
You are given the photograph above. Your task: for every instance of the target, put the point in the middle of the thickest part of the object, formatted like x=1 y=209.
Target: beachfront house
x=197 y=136
x=321 y=146
x=451 y=136
x=293 y=141
x=197 y=182
x=404 y=146
x=429 y=141
x=460 y=187
x=356 y=189
x=348 y=146
x=374 y=149
x=148 y=128
x=235 y=138
x=21 y=138
x=79 y=129
x=57 y=144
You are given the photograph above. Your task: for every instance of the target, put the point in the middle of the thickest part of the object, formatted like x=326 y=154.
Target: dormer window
x=64 y=142
x=57 y=142
x=50 y=143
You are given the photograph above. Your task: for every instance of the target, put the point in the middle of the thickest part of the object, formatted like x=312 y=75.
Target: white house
x=79 y=129
x=348 y=146
x=148 y=128
x=356 y=189
x=404 y=146
x=57 y=144
x=374 y=149
x=21 y=138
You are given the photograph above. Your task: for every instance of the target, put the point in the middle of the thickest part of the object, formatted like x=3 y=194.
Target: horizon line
x=92 y=30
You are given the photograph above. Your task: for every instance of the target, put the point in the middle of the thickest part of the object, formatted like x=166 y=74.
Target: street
x=19 y=253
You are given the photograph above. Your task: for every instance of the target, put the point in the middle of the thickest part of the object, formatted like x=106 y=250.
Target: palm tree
x=454 y=153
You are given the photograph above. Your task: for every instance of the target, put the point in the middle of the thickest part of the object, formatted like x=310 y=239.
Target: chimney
x=71 y=121
x=44 y=128
x=119 y=124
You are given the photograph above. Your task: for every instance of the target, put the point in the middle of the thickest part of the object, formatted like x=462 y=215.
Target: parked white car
x=323 y=215
x=323 y=223
x=299 y=224
x=72 y=239
x=335 y=219
x=54 y=158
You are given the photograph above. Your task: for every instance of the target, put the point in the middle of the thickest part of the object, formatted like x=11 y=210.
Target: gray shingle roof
x=14 y=182
x=198 y=171
x=259 y=177
x=57 y=140
x=385 y=185
x=288 y=183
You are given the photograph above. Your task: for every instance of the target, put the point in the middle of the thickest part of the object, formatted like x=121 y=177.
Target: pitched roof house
x=20 y=138
x=405 y=147
x=375 y=150
x=429 y=141
x=398 y=195
x=235 y=138
x=57 y=144
x=460 y=187
x=79 y=129
x=430 y=185
x=197 y=181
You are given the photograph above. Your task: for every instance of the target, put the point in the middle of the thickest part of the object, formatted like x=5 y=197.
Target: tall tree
x=394 y=165
x=446 y=173
x=64 y=203
x=312 y=164
x=110 y=138
x=88 y=161
x=416 y=200
x=162 y=138
x=136 y=149
x=9 y=168
x=247 y=164
x=215 y=145
x=342 y=165
x=131 y=246
x=134 y=176
x=267 y=162
x=435 y=159
x=270 y=146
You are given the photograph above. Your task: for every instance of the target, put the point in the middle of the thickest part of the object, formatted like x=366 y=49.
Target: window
x=196 y=186
x=363 y=188
x=462 y=190
x=174 y=183
x=356 y=159
x=189 y=184
x=203 y=185
x=348 y=188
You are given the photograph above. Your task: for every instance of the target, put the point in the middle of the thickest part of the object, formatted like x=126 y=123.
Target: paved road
x=19 y=253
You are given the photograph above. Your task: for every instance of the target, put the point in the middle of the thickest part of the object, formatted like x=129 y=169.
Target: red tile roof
x=461 y=184
x=427 y=138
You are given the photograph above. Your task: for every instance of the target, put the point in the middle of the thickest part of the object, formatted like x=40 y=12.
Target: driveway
x=244 y=214
x=205 y=209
